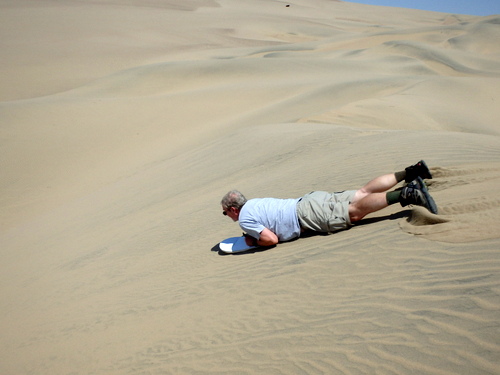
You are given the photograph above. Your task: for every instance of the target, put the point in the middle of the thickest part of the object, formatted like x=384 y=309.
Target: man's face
x=232 y=212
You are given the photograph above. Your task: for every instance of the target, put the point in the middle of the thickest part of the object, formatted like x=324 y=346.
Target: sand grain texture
x=122 y=124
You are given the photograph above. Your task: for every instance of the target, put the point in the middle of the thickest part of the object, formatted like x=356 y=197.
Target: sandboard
x=235 y=245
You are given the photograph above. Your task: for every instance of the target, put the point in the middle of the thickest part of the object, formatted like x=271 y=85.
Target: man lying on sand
x=268 y=221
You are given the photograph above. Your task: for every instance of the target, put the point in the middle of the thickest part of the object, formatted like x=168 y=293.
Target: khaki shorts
x=321 y=211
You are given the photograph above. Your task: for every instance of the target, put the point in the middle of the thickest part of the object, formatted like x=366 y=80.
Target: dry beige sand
x=122 y=124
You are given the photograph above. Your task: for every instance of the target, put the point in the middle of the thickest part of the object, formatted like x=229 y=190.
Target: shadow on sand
x=372 y=220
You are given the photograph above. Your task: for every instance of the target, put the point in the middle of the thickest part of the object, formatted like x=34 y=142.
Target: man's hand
x=249 y=240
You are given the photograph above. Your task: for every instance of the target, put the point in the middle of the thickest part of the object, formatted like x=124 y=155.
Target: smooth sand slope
x=122 y=124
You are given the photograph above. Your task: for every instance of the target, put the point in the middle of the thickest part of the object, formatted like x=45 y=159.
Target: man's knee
x=358 y=195
x=355 y=214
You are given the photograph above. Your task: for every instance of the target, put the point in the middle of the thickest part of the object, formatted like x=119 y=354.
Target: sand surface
x=123 y=123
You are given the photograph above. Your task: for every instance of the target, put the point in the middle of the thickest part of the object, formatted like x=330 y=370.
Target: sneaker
x=419 y=169
x=416 y=193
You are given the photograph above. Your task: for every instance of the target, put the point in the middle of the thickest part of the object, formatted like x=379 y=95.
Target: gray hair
x=233 y=199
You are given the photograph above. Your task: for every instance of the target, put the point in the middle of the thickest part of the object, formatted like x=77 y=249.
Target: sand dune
x=124 y=123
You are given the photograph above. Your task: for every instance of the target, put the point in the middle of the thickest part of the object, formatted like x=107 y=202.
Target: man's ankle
x=393 y=197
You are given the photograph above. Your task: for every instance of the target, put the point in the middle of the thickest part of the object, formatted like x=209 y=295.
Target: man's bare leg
x=373 y=196
x=388 y=181
x=377 y=185
x=370 y=203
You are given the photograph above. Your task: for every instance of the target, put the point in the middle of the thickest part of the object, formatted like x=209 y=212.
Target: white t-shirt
x=277 y=215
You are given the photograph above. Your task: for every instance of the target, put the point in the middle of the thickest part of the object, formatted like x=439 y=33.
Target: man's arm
x=267 y=238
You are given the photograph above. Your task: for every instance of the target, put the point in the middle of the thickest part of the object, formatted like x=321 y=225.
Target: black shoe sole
x=432 y=206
